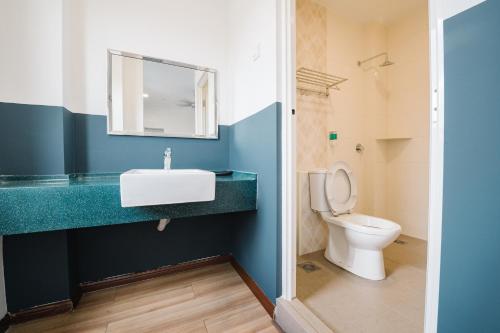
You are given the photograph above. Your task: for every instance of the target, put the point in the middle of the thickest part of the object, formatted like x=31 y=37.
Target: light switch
x=256 y=53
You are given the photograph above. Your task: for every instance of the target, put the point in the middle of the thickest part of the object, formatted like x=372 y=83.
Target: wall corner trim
x=258 y=293
x=42 y=311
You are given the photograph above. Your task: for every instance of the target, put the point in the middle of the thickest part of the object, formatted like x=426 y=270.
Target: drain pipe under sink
x=162 y=224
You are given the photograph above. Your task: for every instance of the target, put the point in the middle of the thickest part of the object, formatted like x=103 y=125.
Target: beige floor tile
x=349 y=304
x=413 y=252
x=388 y=321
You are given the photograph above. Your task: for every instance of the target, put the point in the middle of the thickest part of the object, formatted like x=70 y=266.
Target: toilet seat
x=365 y=224
x=355 y=241
x=341 y=189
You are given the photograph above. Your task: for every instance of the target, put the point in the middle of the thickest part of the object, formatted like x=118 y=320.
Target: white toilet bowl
x=355 y=241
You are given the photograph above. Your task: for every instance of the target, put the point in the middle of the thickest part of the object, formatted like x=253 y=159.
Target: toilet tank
x=317 y=180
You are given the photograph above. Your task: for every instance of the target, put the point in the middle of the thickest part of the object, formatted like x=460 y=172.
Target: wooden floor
x=210 y=299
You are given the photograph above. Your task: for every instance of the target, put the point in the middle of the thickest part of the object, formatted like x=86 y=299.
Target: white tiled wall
x=311 y=110
x=374 y=103
x=312 y=230
x=408 y=161
x=312 y=127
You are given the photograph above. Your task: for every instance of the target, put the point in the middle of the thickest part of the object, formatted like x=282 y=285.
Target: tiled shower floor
x=350 y=304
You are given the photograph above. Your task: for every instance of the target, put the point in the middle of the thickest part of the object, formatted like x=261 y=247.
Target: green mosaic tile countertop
x=44 y=203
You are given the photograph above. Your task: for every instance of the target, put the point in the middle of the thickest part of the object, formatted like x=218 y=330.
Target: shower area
x=363 y=98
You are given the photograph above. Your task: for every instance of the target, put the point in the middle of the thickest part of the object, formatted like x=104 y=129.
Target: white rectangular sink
x=148 y=187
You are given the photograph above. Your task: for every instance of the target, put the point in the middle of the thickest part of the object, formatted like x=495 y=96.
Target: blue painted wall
x=41 y=140
x=254 y=145
x=79 y=143
x=51 y=140
x=31 y=139
x=69 y=141
x=469 y=298
x=96 y=151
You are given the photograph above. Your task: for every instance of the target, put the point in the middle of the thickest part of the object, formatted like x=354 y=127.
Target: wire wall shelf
x=309 y=80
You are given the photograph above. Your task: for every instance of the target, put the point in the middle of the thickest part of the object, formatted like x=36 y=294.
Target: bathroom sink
x=148 y=187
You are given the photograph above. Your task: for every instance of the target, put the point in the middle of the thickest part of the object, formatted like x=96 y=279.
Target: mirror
x=156 y=97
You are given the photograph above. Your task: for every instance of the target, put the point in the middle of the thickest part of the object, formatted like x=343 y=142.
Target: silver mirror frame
x=167 y=62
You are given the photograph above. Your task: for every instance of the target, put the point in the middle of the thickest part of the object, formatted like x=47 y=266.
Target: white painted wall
x=252 y=54
x=31 y=53
x=117 y=94
x=55 y=50
x=158 y=117
x=449 y=8
x=190 y=31
x=133 y=88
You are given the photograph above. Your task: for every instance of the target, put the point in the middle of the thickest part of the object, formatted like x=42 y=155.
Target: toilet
x=355 y=241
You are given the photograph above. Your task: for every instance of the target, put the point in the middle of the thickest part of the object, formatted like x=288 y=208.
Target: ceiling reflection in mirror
x=156 y=97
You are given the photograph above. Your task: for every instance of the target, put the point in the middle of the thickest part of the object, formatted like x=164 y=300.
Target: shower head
x=386 y=62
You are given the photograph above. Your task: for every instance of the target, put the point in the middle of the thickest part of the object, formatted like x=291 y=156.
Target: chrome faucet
x=167 y=158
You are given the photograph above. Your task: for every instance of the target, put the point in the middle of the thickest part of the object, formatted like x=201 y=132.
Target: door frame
x=286 y=90
x=439 y=10
x=436 y=150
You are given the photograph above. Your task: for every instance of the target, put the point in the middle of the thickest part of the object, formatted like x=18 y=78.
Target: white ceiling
x=382 y=11
x=167 y=84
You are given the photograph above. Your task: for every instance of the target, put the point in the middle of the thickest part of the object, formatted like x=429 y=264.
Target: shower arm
x=375 y=56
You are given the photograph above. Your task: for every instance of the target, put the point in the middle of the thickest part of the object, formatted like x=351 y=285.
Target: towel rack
x=309 y=78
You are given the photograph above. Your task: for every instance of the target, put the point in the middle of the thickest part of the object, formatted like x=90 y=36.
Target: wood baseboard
x=68 y=305
x=121 y=280
x=135 y=277
x=4 y=323
x=259 y=294
x=41 y=311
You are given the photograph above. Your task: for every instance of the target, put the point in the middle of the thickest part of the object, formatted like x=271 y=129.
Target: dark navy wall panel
x=470 y=264
x=138 y=247
x=255 y=146
x=31 y=139
x=97 y=151
x=37 y=269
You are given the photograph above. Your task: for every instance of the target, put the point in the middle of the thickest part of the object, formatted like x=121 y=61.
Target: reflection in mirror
x=160 y=98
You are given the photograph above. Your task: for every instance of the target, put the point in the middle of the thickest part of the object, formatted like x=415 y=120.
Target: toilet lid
x=341 y=188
